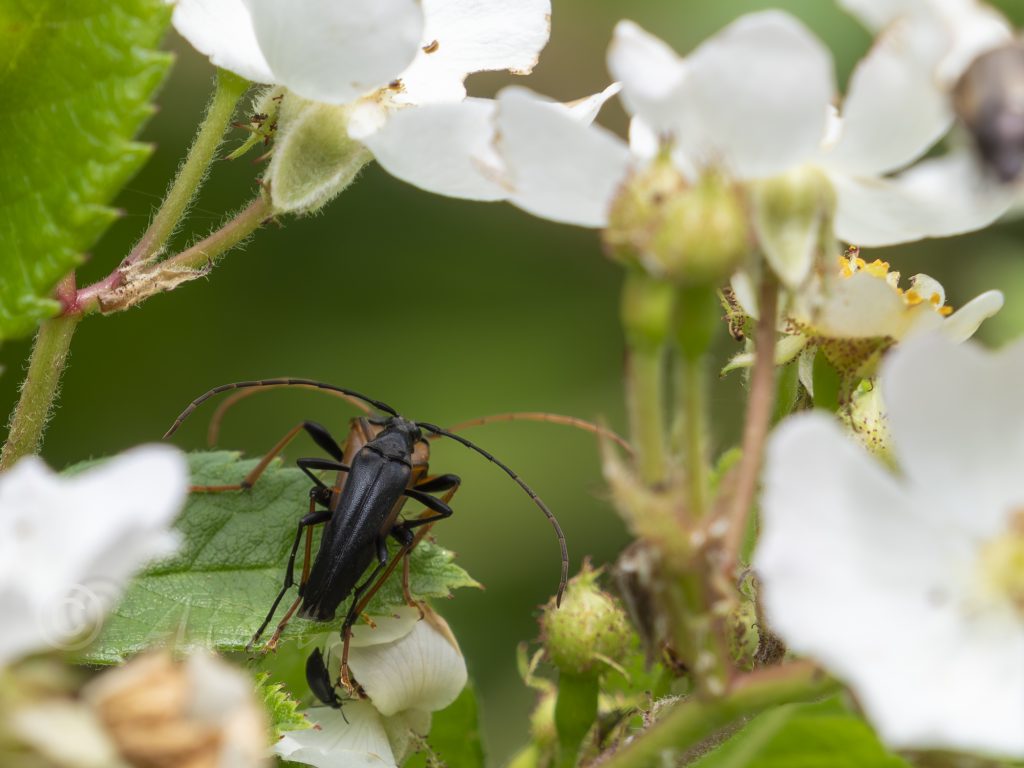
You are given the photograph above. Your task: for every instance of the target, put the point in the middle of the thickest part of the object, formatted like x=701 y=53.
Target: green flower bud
x=638 y=210
x=686 y=233
x=314 y=159
x=589 y=627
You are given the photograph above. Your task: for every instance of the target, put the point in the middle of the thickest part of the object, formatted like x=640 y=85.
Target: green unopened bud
x=704 y=235
x=314 y=157
x=588 y=629
x=689 y=233
x=638 y=210
x=793 y=216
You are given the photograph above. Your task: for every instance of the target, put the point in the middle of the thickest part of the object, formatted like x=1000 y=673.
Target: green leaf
x=803 y=736
x=76 y=79
x=221 y=584
x=282 y=709
x=454 y=738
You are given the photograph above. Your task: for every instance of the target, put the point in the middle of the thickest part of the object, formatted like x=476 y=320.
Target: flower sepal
x=314 y=159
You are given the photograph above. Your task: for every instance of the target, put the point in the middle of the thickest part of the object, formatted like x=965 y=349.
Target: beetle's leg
x=354 y=609
x=320 y=436
x=447 y=483
x=307 y=464
x=306 y=523
x=440 y=508
x=403 y=533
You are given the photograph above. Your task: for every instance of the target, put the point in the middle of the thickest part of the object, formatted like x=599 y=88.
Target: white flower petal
x=754 y=98
x=856 y=577
x=69 y=544
x=442 y=148
x=422 y=670
x=385 y=629
x=557 y=167
x=466 y=36
x=862 y=307
x=587 y=109
x=401 y=729
x=958 y=428
x=223 y=31
x=936 y=198
x=895 y=108
x=360 y=743
x=643 y=141
x=651 y=73
x=334 y=51
x=964 y=323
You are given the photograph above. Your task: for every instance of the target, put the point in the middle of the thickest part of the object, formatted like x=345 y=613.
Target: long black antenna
x=274 y=383
x=536 y=499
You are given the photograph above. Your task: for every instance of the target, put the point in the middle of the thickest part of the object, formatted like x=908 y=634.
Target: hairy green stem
x=645 y=374
x=575 y=713
x=760 y=404
x=695 y=719
x=244 y=223
x=228 y=91
x=646 y=311
x=39 y=390
x=168 y=274
x=694 y=434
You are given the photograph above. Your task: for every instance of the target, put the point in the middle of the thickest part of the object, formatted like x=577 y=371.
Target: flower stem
x=575 y=713
x=645 y=389
x=694 y=448
x=39 y=390
x=228 y=91
x=694 y=719
x=758 y=421
x=647 y=305
x=112 y=296
x=244 y=223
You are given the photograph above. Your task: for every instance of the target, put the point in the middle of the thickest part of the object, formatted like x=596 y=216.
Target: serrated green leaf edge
x=217 y=589
x=76 y=78
x=282 y=709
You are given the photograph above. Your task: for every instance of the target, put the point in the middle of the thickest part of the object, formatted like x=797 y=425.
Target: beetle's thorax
x=398 y=439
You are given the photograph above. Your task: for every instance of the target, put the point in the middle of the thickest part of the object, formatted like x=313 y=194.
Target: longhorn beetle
x=384 y=463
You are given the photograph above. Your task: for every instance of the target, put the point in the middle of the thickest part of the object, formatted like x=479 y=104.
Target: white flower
x=68 y=544
x=755 y=101
x=910 y=586
x=381 y=57
x=409 y=667
x=864 y=301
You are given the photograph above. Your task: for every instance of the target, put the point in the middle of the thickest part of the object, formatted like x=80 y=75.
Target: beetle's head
x=407 y=429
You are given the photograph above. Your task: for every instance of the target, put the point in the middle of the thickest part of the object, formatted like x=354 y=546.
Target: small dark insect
x=989 y=99
x=320 y=682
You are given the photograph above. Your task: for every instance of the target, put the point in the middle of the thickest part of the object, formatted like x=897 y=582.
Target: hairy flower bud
x=689 y=233
x=589 y=627
x=314 y=159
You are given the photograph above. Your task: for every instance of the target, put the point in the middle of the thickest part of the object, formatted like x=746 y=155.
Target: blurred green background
x=447 y=310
